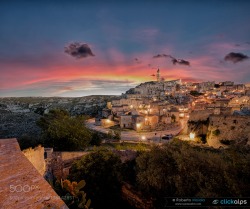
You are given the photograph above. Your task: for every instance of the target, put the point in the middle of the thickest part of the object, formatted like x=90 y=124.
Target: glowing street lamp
x=138 y=125
x=143 y=138
x=181 y=115
x=192 y=135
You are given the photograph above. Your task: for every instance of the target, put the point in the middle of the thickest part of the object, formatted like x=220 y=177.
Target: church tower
x=158 y=75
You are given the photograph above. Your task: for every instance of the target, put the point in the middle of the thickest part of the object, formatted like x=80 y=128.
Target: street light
x=181 y=115
x=138 y=125
x=192 y=135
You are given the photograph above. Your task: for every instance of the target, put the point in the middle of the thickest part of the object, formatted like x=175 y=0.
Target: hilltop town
x=216 y=113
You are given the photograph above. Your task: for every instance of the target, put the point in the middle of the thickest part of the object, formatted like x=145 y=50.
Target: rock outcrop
x=228 y=129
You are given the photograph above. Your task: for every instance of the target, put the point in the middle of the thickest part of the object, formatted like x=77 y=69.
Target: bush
x=114 y=134
x=216 y=132
x=177 y=169
x=101 y=170
x=195 y=93
x=96 y=139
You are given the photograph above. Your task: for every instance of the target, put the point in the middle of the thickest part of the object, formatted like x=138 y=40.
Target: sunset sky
x=118 y=42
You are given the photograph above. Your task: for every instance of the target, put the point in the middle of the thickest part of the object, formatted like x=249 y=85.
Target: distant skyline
x=79 y=48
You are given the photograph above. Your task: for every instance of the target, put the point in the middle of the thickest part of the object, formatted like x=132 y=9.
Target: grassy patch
x=127 y=146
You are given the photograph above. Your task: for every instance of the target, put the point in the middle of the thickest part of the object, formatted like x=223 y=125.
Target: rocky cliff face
x=220 y=130
x=228 y=129
x=18 y=116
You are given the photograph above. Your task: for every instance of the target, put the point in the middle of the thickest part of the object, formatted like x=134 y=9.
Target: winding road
x=132 y=135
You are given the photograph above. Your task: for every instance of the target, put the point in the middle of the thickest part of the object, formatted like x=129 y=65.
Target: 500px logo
x=23 y=188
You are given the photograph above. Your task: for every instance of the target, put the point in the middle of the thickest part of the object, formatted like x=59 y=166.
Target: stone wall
x=60 y=163
x=228 y=128
x=36 y=157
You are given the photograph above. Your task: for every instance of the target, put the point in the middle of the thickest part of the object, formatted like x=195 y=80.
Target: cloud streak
x=173 y=59
x=161 y=56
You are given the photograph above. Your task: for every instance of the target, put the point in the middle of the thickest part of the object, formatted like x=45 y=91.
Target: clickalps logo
x=233 y=202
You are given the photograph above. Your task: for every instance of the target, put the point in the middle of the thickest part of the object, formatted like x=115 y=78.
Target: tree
x=117 y=134
x=96 y=139
x=63 y=132
x=154 y=177
x=114 y=134
x=101 y=171
x=26 y=141
x=178 y=169
x=56 y=114
x=195 y=93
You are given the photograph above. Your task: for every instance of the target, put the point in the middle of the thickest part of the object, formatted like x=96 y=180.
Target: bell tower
x=158 y=75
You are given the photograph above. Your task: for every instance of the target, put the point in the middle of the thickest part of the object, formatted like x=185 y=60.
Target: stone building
x=126 y=121
x=239 y=102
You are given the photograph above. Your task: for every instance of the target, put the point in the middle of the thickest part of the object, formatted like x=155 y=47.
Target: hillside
x=18 y=115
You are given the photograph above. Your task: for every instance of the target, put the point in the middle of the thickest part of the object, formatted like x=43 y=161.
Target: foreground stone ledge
x=21 y=185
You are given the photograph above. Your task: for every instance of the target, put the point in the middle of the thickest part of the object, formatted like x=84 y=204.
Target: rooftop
x=21 y=185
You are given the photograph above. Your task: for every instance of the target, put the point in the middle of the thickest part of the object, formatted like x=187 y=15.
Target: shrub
x=216 y=132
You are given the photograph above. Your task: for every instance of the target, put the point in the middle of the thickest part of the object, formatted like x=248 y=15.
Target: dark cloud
x=235 y=57
x=161 y=56
x=78 y=50
x=137 y=61
x=174 y=60
x=180 y=62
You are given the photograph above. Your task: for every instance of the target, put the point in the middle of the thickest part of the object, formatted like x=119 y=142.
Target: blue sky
x=124 y=36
